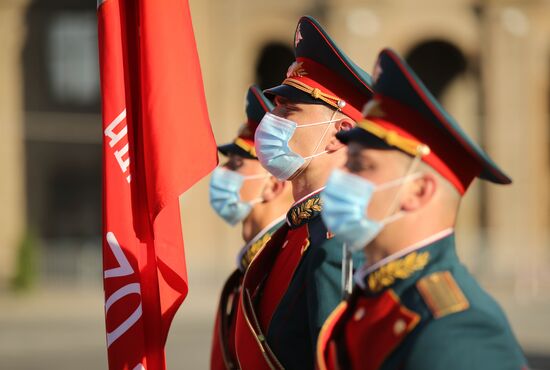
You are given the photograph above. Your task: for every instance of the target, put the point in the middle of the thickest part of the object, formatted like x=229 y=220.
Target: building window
x=72 y=58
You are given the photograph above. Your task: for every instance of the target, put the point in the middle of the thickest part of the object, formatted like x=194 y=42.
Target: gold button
x=399 y=327
x=359 y=314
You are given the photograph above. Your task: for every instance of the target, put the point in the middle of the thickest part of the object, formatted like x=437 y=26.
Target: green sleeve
x=467 y=340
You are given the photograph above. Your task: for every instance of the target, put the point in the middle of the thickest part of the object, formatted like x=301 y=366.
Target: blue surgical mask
x=271 y=141
x=345 y=201
x=225 y=198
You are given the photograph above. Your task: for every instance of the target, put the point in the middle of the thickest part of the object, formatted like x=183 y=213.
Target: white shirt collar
x=366 y=269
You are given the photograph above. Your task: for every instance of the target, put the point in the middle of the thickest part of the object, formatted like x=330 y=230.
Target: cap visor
x=232 y=148
x=293 y=94
x=358 y=135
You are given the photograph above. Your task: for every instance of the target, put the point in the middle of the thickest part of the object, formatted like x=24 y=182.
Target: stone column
x=515 y=69
x=12 y=159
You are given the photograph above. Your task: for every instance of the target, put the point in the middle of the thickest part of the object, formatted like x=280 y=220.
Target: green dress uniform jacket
x=422 y=311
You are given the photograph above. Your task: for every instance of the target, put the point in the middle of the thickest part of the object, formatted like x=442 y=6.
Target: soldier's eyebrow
x=293 y=107
x=359 y=159
x=280 y=100
x=286 y=105
x=234 y=162
x=354 y=151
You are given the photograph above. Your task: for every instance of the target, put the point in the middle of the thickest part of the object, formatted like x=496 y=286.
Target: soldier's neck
x=309 y=181
x=379 y=250
x=262 y=216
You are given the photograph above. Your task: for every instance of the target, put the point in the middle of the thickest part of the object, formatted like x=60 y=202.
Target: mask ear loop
x=256 y=177
x=260 y=198
x=315 y=154
x=311 y=157
x=408 y=176
x=318 y=123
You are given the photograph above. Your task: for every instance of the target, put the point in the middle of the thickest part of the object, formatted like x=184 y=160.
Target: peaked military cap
x=257 y=105
x=404 y=115
x=323 y=74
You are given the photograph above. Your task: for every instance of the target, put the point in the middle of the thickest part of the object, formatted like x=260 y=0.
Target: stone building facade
x=488 y=61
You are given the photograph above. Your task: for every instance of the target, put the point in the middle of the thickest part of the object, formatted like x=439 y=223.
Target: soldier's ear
x=344 y=124
x=273 y=189
x=419 y=192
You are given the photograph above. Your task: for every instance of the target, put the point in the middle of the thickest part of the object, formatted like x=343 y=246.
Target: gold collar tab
x=402 y=268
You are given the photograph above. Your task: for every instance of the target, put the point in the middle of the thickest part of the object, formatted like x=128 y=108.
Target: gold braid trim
x=399 y=269
x=392 y=138
x=245 y=146
x=305 y=210
x=331 y=100
x=254 y=249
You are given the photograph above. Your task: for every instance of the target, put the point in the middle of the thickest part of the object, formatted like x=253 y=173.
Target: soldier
x=415 y=306
x=295 y=281
x=242 y=191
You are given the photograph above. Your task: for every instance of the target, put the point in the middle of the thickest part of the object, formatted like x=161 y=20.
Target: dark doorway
x=437 y=63
x=273 y=62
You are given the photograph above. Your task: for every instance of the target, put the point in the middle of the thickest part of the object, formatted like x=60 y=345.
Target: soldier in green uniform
x=242 y=191
x=415 y=306
x=295 y=281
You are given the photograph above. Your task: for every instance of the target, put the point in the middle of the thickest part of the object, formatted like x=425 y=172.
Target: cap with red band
x=404 y=115
x=323 y=74
x=257 y=105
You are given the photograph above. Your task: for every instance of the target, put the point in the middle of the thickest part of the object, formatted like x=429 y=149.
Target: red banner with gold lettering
x=157 y=143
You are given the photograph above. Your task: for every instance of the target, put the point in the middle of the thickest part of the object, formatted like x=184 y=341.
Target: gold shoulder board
x=442 y=294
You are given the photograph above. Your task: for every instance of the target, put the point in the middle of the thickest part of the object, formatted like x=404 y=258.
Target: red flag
x=157 y=143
